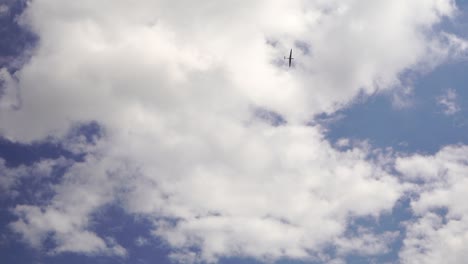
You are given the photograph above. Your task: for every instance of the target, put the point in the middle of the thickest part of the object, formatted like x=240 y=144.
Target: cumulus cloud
x=439 y=231
x=284 y=204
x=158 y=55
x=65 y=219
x=176 y=87
x=448 y=102
x=12 y=177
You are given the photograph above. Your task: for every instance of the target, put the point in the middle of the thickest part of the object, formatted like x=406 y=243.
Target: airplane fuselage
x=290 y=58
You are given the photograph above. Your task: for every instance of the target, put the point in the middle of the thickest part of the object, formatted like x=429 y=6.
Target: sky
x=166 y=131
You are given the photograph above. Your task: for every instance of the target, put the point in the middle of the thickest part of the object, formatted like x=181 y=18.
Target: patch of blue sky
x=386 y=222
x=420 y=126
x=457 y=25
x=16 y=154
x=15 y=39
x=131 y=232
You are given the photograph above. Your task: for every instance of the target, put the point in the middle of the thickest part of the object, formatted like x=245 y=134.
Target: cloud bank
x=439 y=231
x=176 y=87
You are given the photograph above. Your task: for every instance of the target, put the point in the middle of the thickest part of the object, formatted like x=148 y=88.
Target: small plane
x=290 y=58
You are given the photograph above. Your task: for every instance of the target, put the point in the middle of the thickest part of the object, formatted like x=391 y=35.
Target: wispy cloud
x=141 y=241
x=448 y=102
x=402 y=97
x=4 y=9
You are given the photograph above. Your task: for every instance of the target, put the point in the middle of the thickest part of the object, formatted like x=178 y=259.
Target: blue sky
x=142 y=135
x=373 y=119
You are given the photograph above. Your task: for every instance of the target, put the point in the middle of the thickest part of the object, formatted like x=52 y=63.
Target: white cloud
x=159 y=56
x=366 y=243
x=141 y=241
x=11 y=177
x=448 y=102
x=3 y=9
x=279 y=195
x=343 y=142
x=9 y=94
x=175 y=85
x=84 y=188
x=440 y=229
x=402 y=97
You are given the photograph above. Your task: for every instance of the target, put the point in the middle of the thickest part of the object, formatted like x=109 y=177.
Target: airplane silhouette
x=290 y=58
